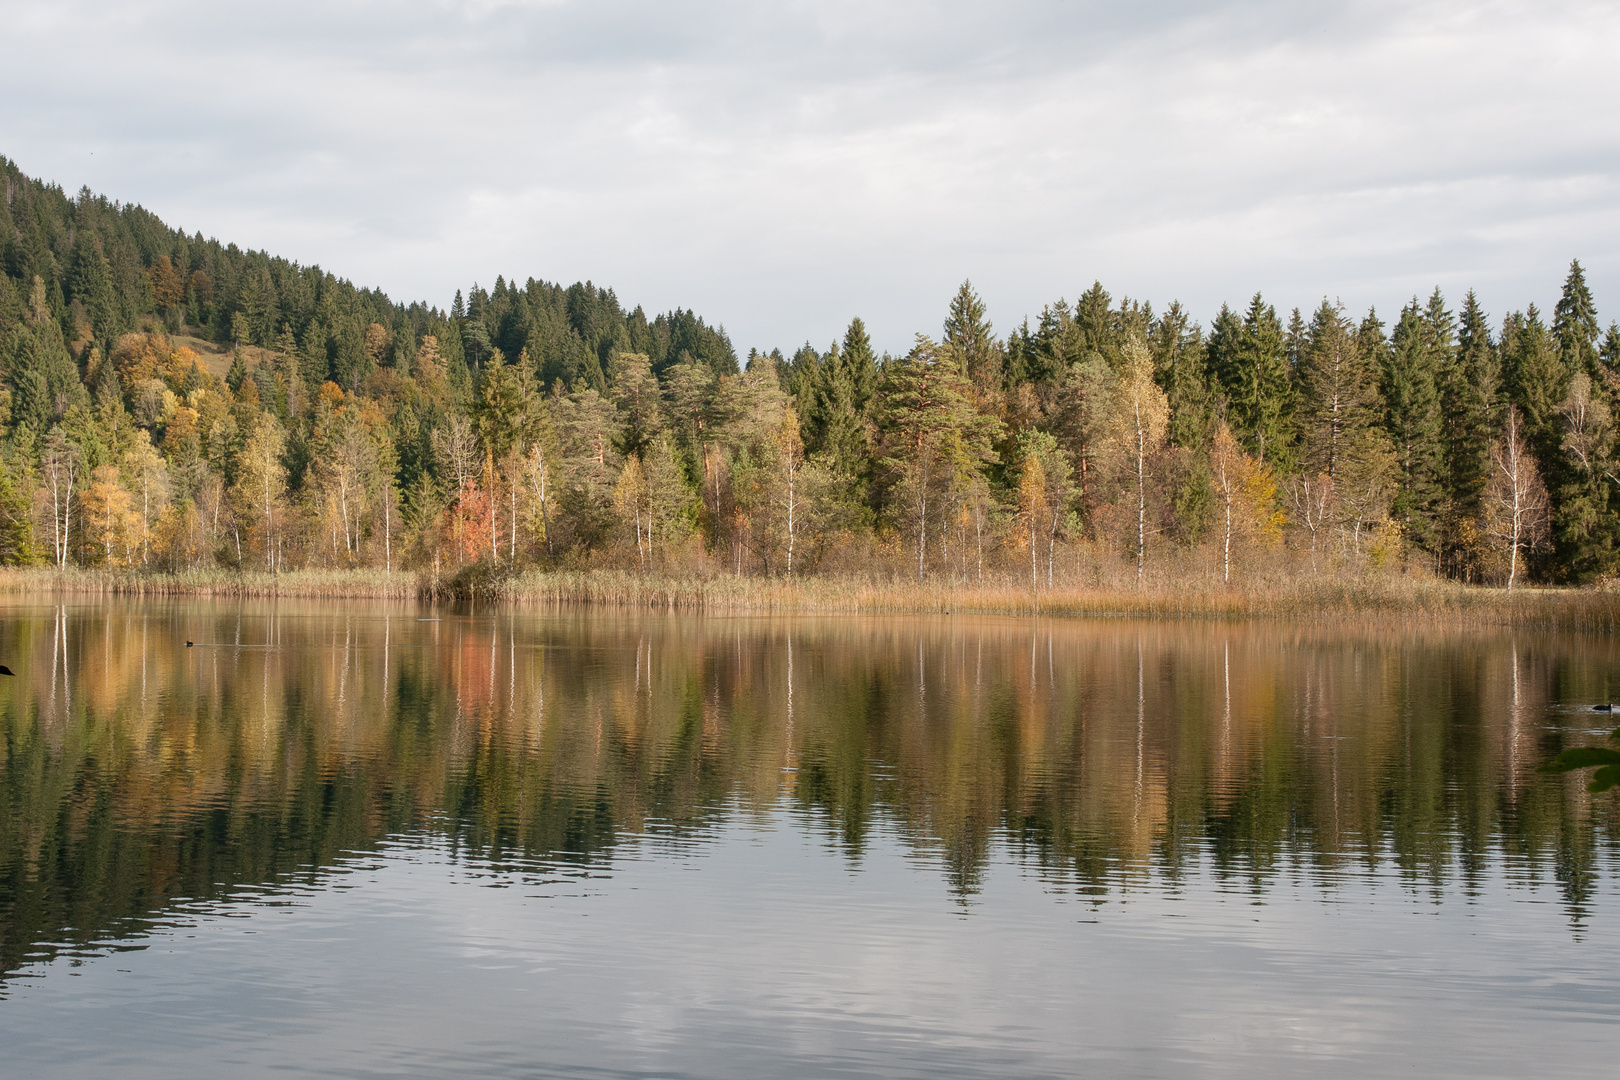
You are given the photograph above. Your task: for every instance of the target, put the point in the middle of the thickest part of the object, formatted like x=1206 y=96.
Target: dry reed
x=323 y=584
x=1374 y=597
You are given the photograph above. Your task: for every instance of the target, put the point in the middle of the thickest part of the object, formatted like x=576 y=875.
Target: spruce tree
x=1251 y=359
x=1094 y=326
x=1338 y=391
x=1575 y=325
x=1536 y=379
x=1469 y=406
x=1585 y=529
x=861 y=363
x=1412 y=418
x=1221 y=351
x=1610 y=353
x=91 y=284
x=1178 y=360
x=970 y=339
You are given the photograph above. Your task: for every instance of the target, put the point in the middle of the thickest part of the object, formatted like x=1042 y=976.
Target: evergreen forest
x=172 y=403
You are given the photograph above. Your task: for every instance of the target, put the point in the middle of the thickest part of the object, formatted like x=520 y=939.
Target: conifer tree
x=861 y=363
x=1094 y=326
x=1250 y=358
x=1575 y=325
x=840 y=437
x=1536 y=378
x=90 y=283
x=1586 y=533
x=1338 y=392
x=1412 y=418
x=971 y=343
x=1179 y=366
x=929 y=433
x=1469 y=406
x=636 y=394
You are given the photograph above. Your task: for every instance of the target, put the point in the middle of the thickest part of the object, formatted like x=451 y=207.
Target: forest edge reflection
x=138 y=772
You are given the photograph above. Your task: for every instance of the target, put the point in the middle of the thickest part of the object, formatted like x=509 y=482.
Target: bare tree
x=791 y=450
x=60 y=464
x=1516 y=496
x=1313 y=501
x=1226 y=463
x=457 y=450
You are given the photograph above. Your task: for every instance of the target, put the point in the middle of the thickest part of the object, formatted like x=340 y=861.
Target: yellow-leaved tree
x=1140 y=415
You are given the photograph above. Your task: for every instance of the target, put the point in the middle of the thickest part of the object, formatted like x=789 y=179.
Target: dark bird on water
x=1603 y=708
x=6 y=671
x=189 y=644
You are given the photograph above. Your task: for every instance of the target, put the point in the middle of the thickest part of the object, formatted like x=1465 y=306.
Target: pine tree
x=929 y=434
x=636 y=394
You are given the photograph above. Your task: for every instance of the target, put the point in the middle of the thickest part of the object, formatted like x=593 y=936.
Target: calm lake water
x=345 y=840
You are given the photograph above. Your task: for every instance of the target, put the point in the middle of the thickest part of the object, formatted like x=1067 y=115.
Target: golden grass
x=1375 y=597
x=326 y=584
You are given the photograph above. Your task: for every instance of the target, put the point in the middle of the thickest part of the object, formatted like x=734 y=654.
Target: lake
x=353 y=839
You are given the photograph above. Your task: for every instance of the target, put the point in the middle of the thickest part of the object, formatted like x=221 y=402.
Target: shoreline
x=1376 y=599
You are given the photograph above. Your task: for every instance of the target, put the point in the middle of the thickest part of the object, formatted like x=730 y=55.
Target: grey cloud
x=782 y=167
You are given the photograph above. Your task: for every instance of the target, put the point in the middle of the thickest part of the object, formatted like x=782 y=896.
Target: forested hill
x=170 y=402
x=110 y=268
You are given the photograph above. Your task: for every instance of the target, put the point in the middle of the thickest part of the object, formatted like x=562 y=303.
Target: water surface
x=346 y=840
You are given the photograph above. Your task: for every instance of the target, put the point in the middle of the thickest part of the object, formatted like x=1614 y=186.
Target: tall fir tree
x=1179 y=368
x=1536 y=379
x=1250 y=358
x=861 y=363
x=1338 y=391
x=1469 y=406
x=1575 y=325
x=970 y=339
x=1412 y=417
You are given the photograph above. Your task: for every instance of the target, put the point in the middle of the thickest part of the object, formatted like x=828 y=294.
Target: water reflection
x=139 y=772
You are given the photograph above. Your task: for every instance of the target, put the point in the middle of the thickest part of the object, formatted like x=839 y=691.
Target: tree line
x=170 y=403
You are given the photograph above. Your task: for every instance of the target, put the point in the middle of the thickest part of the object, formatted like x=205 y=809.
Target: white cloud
x=783 y=167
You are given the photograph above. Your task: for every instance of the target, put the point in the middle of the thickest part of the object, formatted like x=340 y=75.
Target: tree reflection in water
x=137 y=771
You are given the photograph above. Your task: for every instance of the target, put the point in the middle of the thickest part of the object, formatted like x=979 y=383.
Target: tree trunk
x=1141 y=496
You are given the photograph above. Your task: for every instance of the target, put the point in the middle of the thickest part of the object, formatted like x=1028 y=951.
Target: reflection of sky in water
x=759 y=951
x=527 y=843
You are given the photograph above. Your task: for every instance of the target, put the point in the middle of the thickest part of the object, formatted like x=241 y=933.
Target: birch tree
x=1516 y=496
x=1141 y=413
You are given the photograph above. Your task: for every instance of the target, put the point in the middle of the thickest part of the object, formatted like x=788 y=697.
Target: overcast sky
x=782 y=167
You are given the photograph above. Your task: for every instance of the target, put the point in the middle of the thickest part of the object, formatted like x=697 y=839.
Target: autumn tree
x=1140 y=416
x=261 y=483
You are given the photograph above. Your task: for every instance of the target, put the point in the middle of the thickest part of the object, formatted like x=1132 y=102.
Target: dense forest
x=172 y=403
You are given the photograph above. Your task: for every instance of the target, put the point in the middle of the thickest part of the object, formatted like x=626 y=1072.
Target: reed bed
x=1377 y=599
x=1372 y=598
x=367 y=583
